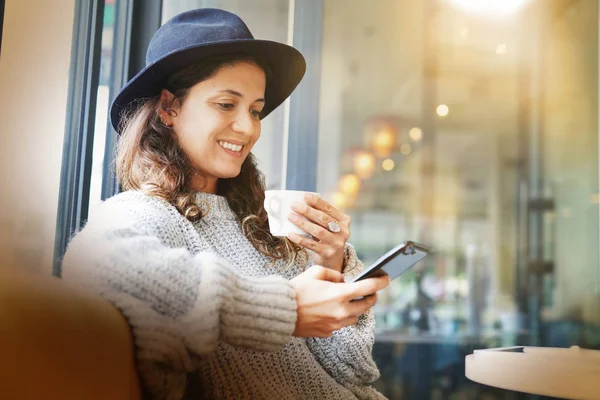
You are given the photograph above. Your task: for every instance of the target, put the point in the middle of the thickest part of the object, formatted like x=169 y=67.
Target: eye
x=226 y=106
x=255 y=113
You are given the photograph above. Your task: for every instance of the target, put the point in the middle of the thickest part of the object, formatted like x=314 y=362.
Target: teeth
x=230 y=146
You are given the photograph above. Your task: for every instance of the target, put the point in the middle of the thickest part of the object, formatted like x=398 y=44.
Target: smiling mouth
x=230 y=146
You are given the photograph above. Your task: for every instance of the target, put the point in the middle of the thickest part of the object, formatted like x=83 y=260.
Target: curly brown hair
x=149 y=159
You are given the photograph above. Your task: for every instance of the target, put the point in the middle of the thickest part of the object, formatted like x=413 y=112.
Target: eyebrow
x=238 y=94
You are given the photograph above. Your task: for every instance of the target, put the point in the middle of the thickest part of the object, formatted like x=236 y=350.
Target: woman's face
x=218 y=122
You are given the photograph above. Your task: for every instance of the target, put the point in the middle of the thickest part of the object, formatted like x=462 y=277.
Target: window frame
x=135 y=23
x=303 y=122
x=76 y=169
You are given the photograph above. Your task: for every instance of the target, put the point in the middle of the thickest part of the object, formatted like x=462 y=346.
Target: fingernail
x=293 y=217
x=296 y=205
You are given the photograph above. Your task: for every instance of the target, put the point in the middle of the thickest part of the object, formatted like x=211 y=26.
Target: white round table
x=571 y=373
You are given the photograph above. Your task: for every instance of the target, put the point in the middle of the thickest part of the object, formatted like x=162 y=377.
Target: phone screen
x=396 y=261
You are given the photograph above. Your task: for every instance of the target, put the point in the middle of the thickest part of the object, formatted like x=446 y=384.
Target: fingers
x=320 y=204
x=320 y=218
x=367 y=286
x=314 y=217
x=314 y=230
x=321 y=248
x=305 y=242
x=317 y=216
x=325 y=274
x=363 y=305
x=354 y=310
x=348 y=322
x=328 y=332
x=324 y=301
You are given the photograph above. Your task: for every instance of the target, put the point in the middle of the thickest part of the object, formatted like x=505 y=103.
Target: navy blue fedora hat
x=194 y=35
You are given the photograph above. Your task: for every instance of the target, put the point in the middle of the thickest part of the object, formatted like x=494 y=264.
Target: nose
x=245 y=124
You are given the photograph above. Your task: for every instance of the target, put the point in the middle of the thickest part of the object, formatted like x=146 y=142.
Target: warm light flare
x=364 y=164
x=349 y=184
x=442 y=110
x=388 y=164
x=490 y=7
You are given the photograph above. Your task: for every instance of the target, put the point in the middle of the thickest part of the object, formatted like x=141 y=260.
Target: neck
x=205 y=184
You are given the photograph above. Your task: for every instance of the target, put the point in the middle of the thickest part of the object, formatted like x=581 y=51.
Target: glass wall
x=569 y=168
x=475 y=132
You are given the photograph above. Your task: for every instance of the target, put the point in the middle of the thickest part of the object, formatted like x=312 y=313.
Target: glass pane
x=102 y=103
x=267 y=19
x=570 y=174
x=475 y=134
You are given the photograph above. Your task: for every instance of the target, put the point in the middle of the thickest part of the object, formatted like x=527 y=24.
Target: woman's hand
x=326 y=304
x=328 y=244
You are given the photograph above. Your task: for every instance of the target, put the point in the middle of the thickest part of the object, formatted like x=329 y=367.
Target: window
x=99 y=164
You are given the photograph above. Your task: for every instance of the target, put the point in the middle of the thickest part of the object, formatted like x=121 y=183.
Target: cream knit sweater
x=210 y=315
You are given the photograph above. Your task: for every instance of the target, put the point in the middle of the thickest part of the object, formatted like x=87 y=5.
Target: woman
x=218 y=307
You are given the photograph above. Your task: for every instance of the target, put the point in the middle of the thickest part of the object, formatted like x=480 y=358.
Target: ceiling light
x=442 y=110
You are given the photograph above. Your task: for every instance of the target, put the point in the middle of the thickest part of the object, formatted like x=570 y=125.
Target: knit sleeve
x=347 y=354
x=179 y=305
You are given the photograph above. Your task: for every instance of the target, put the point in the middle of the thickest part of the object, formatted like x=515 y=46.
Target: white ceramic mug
x=278 y=205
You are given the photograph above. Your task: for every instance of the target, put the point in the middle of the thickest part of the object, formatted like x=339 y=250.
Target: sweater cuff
x=257 y=314
x=261 y=315
x=352 y=265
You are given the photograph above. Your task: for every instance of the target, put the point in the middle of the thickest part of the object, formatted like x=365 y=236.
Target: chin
x=230 y=173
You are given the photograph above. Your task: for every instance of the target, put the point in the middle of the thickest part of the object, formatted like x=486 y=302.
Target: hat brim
x=287 y=67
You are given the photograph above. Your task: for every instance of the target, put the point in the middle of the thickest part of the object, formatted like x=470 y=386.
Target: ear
x=169 y=107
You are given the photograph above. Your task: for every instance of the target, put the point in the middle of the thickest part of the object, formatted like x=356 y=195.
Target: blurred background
x=469 y=126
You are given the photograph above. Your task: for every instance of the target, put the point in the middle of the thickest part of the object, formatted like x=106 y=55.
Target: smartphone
x=395 y=262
